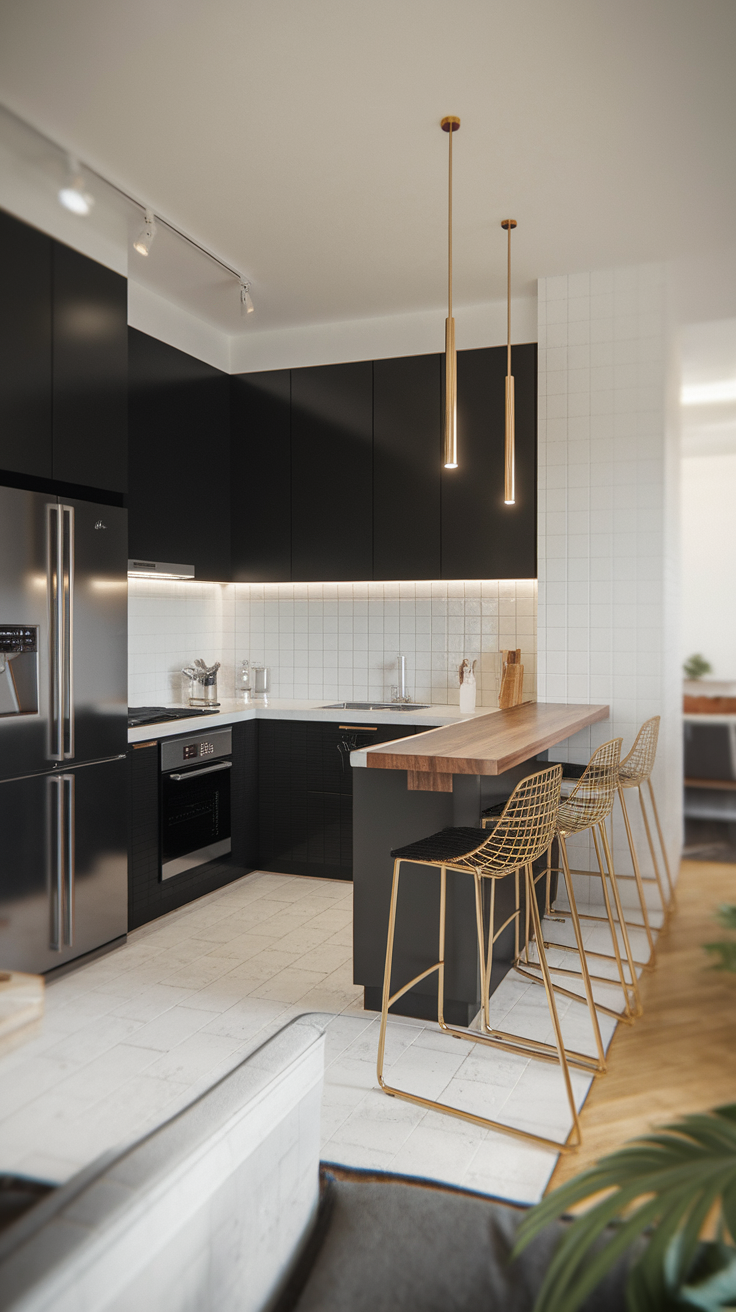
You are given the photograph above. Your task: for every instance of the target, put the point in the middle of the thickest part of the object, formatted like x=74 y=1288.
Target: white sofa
x=209 y=1211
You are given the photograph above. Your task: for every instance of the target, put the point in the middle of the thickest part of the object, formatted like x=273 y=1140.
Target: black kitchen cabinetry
x=407 y=448
x=179 y=445
x=25 y=348
x=64 y=381
x=337 y=471
x=261 y=476
x=305 y=794
x=482 y=537
x=148 y=896
x=332 y=472
x=90 y=372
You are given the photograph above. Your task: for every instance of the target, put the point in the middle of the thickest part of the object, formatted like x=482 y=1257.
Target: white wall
x=335 y=641
x=709 y=561
x=608 y=506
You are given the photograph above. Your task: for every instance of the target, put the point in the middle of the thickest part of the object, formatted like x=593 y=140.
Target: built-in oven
x=195 y=800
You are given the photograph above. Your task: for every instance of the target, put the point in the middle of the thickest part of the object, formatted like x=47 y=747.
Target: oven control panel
x=176 y=752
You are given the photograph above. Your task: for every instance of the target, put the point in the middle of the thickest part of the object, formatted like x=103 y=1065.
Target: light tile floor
x=133 y=1037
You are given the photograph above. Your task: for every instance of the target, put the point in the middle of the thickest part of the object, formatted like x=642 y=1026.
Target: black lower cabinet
x=149 y=896
x=305 y=794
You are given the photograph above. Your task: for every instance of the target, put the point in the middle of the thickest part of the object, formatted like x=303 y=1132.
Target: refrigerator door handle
x=70 y=844
x=67 y=648
x=56 y=827
x=55 y=542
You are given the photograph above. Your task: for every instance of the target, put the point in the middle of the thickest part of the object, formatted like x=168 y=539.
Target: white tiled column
x=607 y=622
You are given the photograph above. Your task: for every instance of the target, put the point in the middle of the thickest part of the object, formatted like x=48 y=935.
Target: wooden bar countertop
x=487 y=744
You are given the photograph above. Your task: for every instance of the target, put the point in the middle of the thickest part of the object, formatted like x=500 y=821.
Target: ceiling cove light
x=145 y=238
x=246 y=302
x=73 y=195
x=509 y=461
x=450 y=124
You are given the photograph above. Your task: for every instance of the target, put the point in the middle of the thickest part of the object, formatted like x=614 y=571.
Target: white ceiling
x=299 y=139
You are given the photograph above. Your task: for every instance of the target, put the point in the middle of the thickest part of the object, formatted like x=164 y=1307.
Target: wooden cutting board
x=511 y=692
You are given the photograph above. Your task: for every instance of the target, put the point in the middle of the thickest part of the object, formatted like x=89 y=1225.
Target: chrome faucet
x=398 y=691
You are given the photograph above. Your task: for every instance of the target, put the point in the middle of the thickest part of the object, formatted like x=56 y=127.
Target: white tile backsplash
x=330 y=640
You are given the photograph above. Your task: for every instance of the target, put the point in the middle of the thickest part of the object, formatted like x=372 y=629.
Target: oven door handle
x=209 y=769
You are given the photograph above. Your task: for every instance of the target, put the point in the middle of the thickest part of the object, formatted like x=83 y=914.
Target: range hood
x=158 y=569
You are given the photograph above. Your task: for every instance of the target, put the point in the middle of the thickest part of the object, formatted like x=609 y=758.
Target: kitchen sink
x=377 y=706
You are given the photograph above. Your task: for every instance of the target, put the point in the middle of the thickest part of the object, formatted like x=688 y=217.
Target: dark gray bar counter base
x=387 y=815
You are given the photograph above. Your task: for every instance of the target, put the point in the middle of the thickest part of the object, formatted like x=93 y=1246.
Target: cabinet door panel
x=406 y=467
x=331 y=475
x=179 y=498
x=90 y=372
x=482 y=537
x=25 y=348
x=261 y=476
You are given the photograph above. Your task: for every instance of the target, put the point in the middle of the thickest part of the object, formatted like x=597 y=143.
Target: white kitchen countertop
x=234 y=709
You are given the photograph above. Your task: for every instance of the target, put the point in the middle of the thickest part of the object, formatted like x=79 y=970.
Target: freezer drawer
x=63 y=865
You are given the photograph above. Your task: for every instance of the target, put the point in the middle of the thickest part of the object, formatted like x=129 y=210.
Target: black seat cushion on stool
x=493 y=812
x=446 y=845
x=401 y=1247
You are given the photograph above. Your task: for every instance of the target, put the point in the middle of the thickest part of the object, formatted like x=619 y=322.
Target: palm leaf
x=726 y=916
x=663 y=1186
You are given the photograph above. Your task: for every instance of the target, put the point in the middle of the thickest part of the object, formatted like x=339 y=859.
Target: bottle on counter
x=468 y=687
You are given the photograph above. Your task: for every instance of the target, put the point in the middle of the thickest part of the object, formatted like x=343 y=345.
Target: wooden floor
x=680 y=1056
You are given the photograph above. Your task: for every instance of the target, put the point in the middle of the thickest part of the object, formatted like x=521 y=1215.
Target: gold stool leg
x=575 y=1137
x=581 y=952
x=441 y=957
x=662 y=843
x=628 y=1015
x=387 y=971
x=652 y=853
x=637 y=877
x=621 y=919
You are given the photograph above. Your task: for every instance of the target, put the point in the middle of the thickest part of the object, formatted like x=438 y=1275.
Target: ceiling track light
x=509 y=466
x=145 y=238
x=246 y=302
x=450 y=124
x=73 y=195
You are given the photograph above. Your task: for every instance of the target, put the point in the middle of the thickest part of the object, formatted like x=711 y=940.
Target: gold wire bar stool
x=634 y=771
x=522 y=834
x=587 y=807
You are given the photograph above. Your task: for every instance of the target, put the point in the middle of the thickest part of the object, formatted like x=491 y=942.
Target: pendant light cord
x=508 y=306
x=449 y=232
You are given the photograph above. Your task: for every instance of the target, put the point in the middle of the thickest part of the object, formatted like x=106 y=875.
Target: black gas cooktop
x=138 y=715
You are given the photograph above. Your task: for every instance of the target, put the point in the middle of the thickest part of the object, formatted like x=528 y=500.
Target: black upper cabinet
x=261 y=476
x=25 y=348
x=406 y=467
x=482 y=537
x=179 y=438
x=90 y=372
x=332 y=472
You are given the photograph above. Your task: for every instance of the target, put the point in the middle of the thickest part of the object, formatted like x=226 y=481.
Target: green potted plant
x=696 y=666
x=660 y=1191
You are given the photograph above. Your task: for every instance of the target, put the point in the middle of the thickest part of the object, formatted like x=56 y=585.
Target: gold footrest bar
x=416 y=980
x=527 y=1048
x=568 y=993
x=483 y=1121
x=601 y=956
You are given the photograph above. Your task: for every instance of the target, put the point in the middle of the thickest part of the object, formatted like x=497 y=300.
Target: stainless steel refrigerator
x=63 y=728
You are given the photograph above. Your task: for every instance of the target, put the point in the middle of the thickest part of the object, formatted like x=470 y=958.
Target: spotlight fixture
x=73 y=195
x=509 y=491
x=450 y=124
x=245 y=298
x=144 y=240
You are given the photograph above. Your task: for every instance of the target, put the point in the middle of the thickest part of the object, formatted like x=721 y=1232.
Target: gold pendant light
x=450 y=124
x=509 y=489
